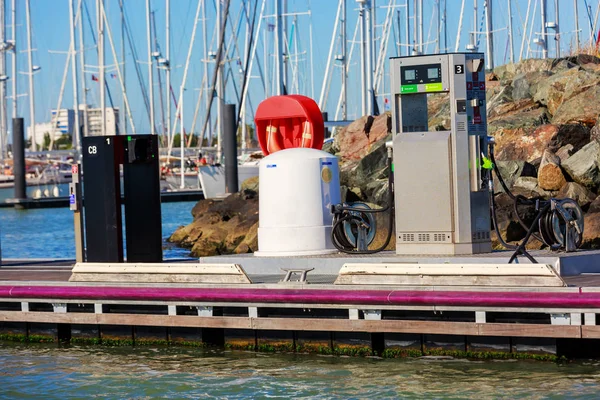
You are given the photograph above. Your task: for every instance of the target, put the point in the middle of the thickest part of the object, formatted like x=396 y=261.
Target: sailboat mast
x=168 y=63
x=510 y=32
x=557 y=28
x=369 y=54
x=15 y=73
x=279 y=49
x=150 y=72
x=82 y=62
x=220 y=81
x=76 y=130
x=489 y=34
x=344 y=43
x=123 y=69
x=30 y=74
x=544 y=29
x=576 y=24
x=3 y=117
x=101 y=78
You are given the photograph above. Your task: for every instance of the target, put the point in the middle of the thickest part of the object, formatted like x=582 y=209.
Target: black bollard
x=230 y=148
x=18 y=150
x=325 y=119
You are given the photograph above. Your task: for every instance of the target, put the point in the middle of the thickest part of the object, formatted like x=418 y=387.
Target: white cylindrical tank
x=297 y=188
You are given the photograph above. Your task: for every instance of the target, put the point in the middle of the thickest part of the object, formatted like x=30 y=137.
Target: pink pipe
x=309 y=296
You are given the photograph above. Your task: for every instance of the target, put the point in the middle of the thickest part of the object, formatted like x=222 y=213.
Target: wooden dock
x=327 y=311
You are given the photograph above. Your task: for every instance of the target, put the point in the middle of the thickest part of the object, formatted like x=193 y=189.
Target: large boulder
x=550 y=175
x=511 y=171
x=354 y=142
x=591 y=231
x=509 y=71
x=523 y=144
x=371 y=167
x=557 y=89
x=583 y=167
x=525 y=85
x=576 y=135
x=583 y=108
x=221 y=227
x=577 y=192
x=523 y=114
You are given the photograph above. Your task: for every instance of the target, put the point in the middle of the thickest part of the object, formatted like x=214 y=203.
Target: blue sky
x=51 y=33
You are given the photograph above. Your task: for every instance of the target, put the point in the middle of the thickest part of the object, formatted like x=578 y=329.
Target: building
x=65 y=123
x=94 y=121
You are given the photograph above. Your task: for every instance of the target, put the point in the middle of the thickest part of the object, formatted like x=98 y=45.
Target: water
x=48 y=233
x=42 y=371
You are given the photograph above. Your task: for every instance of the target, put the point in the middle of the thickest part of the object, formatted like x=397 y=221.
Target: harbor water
x=50 y=372
x=48 y=233
x=53 y=371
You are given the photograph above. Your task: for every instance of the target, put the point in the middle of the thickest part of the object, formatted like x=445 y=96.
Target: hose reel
x=562 y=226
x=360 y=229
x=559 y=222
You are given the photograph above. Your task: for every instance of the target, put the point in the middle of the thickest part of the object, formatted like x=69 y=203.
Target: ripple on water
x=36 y=371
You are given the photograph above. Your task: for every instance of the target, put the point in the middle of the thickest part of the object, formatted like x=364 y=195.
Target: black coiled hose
x=344 y=214
x=542 y=221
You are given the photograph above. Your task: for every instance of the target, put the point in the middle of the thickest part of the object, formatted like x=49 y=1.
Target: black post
x=325 y=119
x=230 y=148
x=18 y=149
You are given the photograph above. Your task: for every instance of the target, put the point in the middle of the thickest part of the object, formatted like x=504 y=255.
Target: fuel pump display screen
x=419 y=74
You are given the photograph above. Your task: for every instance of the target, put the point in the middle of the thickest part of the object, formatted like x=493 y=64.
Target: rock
x=582 y=166
x=523 y=144
x=221 y=227
x=594 y=206
x=591 y=231
x=561 y=87
x=531 y=184
x=595 y=132
x=377 y=192
x=251 y=184
x=550 y=176
x=511 y=170
x=565 y=152
x=523 y=114
x=575 y=191
x=524 y=85
x=498 y=97
x=583 y=59
x=509 y=71
x=576 y=135
x=353 y=143
x=583 y=108
x=371 y=167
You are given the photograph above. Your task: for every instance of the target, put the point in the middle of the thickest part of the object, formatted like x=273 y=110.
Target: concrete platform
x=565 y=264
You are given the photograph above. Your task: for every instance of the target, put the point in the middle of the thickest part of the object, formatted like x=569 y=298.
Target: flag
x=94 y=78
x=113 y=76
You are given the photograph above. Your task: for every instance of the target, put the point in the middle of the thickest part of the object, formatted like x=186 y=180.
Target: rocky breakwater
x=544 y=115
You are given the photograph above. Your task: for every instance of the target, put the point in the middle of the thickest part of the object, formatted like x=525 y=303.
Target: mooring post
x=325 y=119
x=230 y=148
x=18 y=150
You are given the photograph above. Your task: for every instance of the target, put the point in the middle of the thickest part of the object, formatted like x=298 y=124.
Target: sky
x=50 y=31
